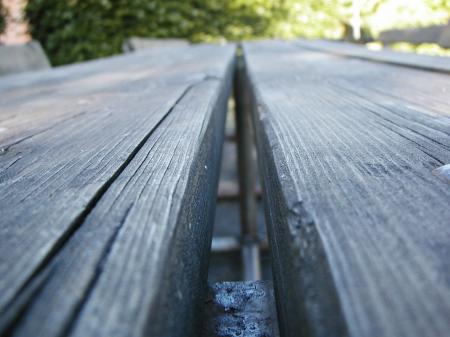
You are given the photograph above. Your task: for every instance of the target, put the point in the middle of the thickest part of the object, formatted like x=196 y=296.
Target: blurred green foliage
x=77 y=30
x=2 y=18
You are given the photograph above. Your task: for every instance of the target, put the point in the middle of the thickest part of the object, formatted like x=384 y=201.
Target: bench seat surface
x=108 y=175
x=357 y=207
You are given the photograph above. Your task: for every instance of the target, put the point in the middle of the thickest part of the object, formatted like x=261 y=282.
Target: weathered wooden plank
x=93 y=209
x=358 y=222
x=137 y=264
x=387 y=83
x=433 y=63
x=80 y=88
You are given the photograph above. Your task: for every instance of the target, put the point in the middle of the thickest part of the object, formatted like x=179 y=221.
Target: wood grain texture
x=85 y=87
x=425 y=62
x=106 y=215
x=358 y=223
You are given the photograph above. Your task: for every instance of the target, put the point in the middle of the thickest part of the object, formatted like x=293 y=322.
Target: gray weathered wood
x=107 y=204
x=433 y=63
x=358 y=222
x=89 y=86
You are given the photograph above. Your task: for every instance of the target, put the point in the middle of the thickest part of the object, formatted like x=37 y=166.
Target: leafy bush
x=76 y=30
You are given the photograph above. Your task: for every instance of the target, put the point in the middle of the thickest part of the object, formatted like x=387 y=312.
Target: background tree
x=2 y=18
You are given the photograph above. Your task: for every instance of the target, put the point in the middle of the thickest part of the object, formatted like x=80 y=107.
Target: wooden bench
x=16 y=59
x=108 y=177
x=108 y=181
x=418 y=61
x=353 y=155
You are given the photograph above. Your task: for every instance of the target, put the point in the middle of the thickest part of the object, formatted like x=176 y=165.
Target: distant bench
x=133 y=44
x=354 y=158
x=108 y=177
x=22 y=58
x=439 y=34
